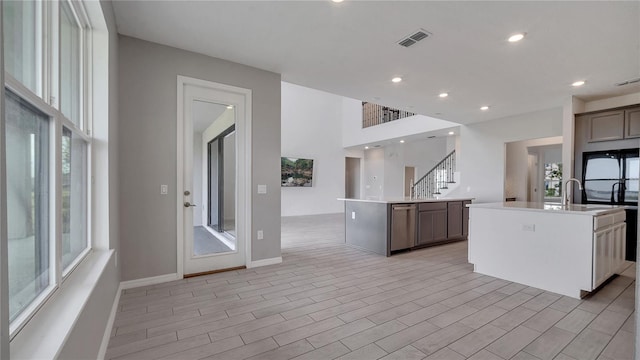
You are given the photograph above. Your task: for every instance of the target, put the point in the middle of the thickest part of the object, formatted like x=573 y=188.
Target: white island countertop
x=405 y=200
x=584 y=209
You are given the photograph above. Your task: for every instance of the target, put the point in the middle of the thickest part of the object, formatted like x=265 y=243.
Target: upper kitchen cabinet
x=612 y=125
x=632 y=123
x=606 y=126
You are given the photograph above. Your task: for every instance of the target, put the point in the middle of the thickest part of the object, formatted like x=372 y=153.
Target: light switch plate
x=260 y=235
x=164 y=189
x=262 y=189
x=528 y=227
x=353 y=215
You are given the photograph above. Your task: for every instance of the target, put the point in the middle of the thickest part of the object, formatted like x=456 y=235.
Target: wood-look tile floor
x=330 y=301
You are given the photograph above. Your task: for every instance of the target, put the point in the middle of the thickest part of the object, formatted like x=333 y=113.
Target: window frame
x=46 y=100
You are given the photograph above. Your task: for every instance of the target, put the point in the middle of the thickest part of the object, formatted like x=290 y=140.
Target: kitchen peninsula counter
x=570 y=250
x=387 y=225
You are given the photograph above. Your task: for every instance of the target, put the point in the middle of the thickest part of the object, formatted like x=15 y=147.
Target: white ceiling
x=350 y=48
x=205 y=113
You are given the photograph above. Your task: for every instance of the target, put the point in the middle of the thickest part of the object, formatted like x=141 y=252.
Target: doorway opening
x=352 y=178
x=533 y=170
x=409 y=179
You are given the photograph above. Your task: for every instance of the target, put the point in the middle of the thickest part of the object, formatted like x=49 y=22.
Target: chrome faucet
x=566 y=199
x=411 y=189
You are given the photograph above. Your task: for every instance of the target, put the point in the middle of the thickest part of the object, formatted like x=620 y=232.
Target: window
x=47 y=148
x=552 y=181
x=70 y=60
x=74 y=196
x=28 y=216
x=22 y=46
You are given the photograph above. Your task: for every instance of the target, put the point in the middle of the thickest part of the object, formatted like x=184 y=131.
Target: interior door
x=209 y=115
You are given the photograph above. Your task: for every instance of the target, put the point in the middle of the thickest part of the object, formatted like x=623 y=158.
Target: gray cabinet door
x=632 y=123
x=606 y=126
x=454 y=220
x=432 y=227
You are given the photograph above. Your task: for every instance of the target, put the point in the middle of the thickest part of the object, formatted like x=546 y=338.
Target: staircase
x=438 y=180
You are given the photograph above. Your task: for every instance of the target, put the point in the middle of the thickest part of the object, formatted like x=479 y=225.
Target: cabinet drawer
x=602 y=221
x=433 y=206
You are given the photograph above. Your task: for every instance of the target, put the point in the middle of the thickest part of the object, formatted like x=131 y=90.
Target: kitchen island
x=569 y=250
x=386 y=226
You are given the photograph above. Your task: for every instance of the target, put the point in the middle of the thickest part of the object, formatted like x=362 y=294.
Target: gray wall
x=114 y=181
x=147 y=142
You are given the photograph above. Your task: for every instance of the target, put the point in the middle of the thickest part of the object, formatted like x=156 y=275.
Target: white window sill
x=44 y=336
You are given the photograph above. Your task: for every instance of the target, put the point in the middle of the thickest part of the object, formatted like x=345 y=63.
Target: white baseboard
x=264 y=262
x=148 y=281
x=107 y=332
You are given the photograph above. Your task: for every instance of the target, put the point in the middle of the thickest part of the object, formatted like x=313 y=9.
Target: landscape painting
x=296 y=172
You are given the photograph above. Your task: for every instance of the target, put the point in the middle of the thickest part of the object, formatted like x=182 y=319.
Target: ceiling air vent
x=632 y=81
x=416 y=36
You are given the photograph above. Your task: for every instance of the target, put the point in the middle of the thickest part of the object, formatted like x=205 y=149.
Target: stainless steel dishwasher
x=403 y=226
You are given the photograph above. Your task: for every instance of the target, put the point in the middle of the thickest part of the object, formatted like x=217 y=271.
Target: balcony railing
x=374 y=114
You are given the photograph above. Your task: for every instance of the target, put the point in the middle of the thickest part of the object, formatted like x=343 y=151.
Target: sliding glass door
x=221 y=182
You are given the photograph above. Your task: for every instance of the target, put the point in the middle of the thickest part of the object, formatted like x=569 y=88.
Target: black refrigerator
x=612 y=178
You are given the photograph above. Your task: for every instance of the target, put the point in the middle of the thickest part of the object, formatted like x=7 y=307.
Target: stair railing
x=436 y=179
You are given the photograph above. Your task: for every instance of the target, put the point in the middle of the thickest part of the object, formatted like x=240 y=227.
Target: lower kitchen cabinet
x=454 y=219
x=608 y=251
x=385 y=227
x=432 y=226
x=442 y=221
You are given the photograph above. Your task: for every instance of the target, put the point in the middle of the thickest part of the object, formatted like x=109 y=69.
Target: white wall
x=311 y=124
x=481 y=158
x=374 y=174
x=517 y=169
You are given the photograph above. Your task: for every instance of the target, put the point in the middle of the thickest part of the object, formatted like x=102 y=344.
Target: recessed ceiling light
x=443 y=95
x=337 y=1
x=401 y=141
x=229 y=106
x=578 y=83
x=366 y=148
x=484 y=108
x=451 y=133
x=516 y=37
x=396 y=79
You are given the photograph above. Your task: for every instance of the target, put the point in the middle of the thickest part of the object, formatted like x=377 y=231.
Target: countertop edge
x=592 y=212
x=406 y=201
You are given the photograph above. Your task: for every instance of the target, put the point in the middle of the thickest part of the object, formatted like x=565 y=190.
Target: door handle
x=188 y=204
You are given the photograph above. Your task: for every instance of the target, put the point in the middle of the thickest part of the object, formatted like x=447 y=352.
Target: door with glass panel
x=209 y=195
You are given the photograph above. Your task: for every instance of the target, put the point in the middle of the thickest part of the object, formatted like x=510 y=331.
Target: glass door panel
x=214 y=203
x=229 y=187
